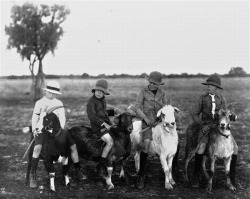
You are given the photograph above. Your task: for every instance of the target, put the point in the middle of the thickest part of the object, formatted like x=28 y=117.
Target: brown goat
x=222 y=145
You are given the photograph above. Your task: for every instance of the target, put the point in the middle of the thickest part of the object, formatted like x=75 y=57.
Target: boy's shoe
x=80 y=175
x=33 y=181
x=196 y=181
x=100 y=169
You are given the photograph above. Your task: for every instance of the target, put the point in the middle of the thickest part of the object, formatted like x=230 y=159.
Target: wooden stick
x=28 y=148
x=150 y=126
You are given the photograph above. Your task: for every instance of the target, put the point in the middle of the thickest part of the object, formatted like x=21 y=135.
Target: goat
x=220 y=145
x=164 y=143
x=90 y=146
x=54 y=146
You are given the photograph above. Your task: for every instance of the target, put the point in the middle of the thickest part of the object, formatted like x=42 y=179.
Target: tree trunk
x=39 y=83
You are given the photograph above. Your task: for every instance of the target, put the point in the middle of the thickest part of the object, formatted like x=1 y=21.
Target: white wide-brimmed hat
x=53 y=87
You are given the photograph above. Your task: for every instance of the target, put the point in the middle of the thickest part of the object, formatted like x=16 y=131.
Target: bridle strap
x=58 y=132
x=224 y=134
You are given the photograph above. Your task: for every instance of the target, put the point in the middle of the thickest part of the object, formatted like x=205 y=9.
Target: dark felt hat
x=102 y=85
x=213 y=80
x=155 y=77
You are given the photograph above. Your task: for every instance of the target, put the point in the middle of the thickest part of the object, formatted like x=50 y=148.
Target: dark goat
x=90 y=147
x=54 y=145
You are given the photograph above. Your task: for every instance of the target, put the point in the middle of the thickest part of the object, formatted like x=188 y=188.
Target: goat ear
x=159 y=113
x=117 y=119
x=176 y=110
x=219 y=112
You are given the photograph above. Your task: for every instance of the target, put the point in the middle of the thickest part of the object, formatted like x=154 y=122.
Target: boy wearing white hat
x=49 y=101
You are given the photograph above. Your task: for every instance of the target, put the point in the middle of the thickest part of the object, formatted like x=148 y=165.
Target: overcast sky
x=134 y=37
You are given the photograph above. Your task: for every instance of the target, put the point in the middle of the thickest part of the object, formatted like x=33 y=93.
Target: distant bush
x=234 y=72
x=237 y=72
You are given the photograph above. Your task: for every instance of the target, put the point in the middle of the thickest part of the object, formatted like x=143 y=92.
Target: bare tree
x=35 y=31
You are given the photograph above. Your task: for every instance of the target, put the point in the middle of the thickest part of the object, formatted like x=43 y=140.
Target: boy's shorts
x=146 y=135
x=203 y=137
x=100 y=133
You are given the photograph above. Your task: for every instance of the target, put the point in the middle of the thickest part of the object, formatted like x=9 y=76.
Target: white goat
x=164 y=143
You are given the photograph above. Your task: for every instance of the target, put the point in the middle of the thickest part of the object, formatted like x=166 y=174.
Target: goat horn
x=114 y=108
x=231 y=105
x=53 y=108
x=170 y=98
x=158 y=103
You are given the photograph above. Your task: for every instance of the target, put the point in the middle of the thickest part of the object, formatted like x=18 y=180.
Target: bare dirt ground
x=15 y=114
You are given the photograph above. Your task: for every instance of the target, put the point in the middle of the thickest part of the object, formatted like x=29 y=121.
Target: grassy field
x=16 y=110
x=234 y=88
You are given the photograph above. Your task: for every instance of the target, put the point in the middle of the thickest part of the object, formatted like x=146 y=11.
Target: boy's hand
x=205 y=129
x=148 y=122
x=108 y=127
x=36 y=132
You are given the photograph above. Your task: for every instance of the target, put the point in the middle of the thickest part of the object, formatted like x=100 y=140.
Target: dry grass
x=126 y=87
x=15 y=113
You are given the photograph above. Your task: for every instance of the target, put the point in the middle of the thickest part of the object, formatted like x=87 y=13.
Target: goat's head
x=224 y=119
x=124 y=122
x=167 y=116
x=49 y=121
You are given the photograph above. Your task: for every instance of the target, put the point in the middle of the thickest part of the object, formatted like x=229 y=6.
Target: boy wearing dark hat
x=49 y=101
x=147 y=110
x=204 y=115
x=99 y=118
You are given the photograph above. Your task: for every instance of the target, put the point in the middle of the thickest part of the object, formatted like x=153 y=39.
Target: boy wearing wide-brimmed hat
x=203 y=114
x=99 y=118
x=147 y=110
x=50 y=100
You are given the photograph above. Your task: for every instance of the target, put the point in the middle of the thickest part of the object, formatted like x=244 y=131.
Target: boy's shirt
x=97 y=113
x=45 y=104
x=202 y=112
x=144 y=107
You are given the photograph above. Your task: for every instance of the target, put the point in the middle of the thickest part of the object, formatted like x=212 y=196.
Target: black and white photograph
x=125 y=99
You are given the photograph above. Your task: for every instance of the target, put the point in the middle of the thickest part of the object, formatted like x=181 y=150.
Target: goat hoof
x=172 y=182
x=111 y=186
x=126 y=180
x=209 y=188
x=140 y=181
x=70 y=184
x=52 y=192
x=196 y=183
x=168 y=186
x=232 y=188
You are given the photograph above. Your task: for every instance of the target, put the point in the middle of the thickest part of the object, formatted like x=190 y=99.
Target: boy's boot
x=233 y=169
x=101 y=166
x=79 y=174
x=33 y=178
x=141 y=174
x=197 y=169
